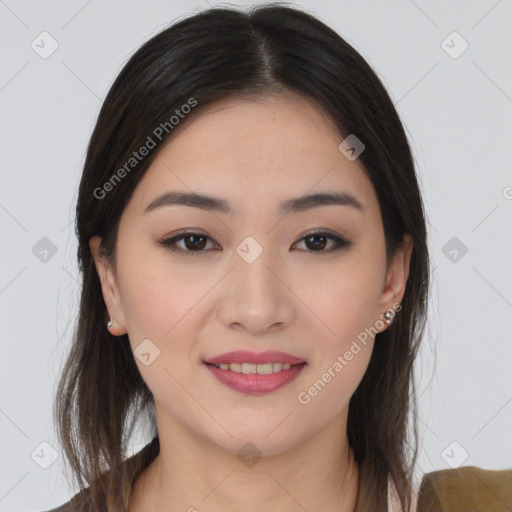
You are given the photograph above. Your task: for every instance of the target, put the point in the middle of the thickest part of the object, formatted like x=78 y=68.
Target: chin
x=248 y=442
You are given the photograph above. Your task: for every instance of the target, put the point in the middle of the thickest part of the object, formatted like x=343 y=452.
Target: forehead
x=255 y=151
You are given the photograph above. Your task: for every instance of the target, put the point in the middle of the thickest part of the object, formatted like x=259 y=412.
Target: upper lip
x=244 y=356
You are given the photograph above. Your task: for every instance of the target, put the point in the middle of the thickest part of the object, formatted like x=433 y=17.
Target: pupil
x=194 y=245
x=312 y=237
x=201 y=243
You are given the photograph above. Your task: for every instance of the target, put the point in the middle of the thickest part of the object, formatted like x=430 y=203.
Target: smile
x=260 y=369
x=255 y=379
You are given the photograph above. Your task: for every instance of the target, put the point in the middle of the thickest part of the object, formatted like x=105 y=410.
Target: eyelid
x=340 y=241
x=170 y=243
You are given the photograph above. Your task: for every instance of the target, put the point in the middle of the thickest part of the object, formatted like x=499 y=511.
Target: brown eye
x=192 y=242
x=195 y=243
x=318 y=240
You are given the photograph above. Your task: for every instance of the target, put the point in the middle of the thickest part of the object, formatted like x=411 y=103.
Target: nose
x=257 y=298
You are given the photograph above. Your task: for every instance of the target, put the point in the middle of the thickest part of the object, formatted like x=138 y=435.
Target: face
x=310 y=282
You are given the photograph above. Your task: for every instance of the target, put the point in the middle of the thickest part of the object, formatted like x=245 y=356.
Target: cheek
x=150 y=300
x=156 y=293
x=158 y=303
x=162 y=302
x=327 y=393
x=343 y=343
x=344 y=299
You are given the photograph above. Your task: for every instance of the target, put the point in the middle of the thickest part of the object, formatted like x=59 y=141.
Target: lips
x=255 y=373
x=254 y=384
x=245 y=356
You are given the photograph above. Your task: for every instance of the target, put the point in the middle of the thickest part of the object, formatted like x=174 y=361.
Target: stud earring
x=109 y=323
x=388 y=316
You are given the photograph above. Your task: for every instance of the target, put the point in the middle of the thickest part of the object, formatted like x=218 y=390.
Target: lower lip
x=255 y=384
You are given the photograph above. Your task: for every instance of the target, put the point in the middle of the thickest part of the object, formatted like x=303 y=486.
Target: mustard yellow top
x=465 y=489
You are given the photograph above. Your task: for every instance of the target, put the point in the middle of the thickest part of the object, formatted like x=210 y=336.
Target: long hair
x=212 y=55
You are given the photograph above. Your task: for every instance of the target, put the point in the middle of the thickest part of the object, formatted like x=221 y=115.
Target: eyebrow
x=297 y=204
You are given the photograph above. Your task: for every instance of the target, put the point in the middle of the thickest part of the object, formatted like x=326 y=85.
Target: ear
x=109 y=288
x=397 y=275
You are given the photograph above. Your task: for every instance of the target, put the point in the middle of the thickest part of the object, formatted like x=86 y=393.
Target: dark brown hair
x=212 y=55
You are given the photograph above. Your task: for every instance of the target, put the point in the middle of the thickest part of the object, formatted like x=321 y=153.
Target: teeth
x=260 y=369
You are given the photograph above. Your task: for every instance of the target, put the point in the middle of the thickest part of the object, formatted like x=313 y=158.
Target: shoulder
x=66 y=507
x=73 y=505
x=81 y=501
x=465 y=488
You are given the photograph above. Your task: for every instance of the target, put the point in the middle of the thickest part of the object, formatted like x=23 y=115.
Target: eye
x=195 y=243
x=318 y=240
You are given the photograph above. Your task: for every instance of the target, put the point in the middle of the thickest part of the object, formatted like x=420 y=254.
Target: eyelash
x=170 y=243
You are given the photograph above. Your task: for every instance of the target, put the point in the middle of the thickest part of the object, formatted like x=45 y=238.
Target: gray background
x=457 y=110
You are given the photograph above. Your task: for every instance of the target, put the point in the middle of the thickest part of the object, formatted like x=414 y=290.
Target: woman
x=255 y=270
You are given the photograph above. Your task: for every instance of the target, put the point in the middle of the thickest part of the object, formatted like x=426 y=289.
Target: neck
x=191 y=474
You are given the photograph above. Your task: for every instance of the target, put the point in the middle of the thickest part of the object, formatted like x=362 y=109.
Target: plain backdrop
x=447 y=68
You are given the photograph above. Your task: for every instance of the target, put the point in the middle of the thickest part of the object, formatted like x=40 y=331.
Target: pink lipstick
x=255 y=373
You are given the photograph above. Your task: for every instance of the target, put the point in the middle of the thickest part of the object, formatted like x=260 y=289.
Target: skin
x=293 y=298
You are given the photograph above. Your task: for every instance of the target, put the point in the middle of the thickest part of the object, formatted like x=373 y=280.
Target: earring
x=109 y=323
x=388 y=316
